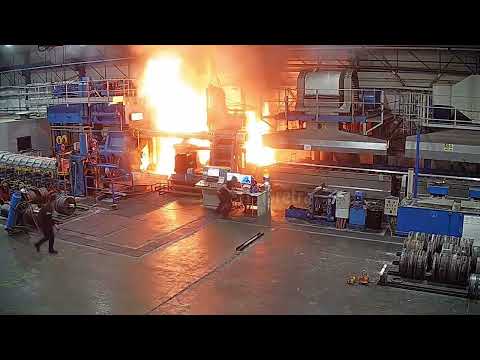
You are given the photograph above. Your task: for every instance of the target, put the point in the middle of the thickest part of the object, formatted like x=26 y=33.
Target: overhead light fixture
x=8 y=45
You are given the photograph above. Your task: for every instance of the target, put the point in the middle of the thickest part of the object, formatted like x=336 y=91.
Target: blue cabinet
x=358 y=216
x=430 y=221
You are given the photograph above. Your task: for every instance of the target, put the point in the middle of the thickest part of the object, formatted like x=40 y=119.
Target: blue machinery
x=437 y=214
x=322 y=204
x=358 y=210
x=322 y=207
x=90 y=140
x=326 y=101
x=12 y=214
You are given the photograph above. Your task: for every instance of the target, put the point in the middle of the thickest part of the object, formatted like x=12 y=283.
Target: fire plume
x=256 y=152
x=177 y=107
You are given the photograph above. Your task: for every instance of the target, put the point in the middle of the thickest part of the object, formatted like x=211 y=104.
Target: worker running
x=46 y=225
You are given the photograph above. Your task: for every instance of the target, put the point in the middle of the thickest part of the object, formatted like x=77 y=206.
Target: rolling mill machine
x=91 y=150
x=91 y=143
x=221 y=144
x=329 y=131
x=28 y=182
x=327 y=122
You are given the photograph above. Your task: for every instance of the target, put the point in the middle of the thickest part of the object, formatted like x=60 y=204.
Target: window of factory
x=24 y=143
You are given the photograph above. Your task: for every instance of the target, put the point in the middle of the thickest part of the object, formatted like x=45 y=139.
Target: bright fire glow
x=203 y=155
x=165 y=159
x=145 y=159
x=177 y=107
x=256 y=152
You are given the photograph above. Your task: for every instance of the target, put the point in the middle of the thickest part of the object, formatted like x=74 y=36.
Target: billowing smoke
x=256 y=69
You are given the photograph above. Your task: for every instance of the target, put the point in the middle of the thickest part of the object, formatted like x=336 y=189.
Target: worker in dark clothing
x=225 y=195
x=46 y=225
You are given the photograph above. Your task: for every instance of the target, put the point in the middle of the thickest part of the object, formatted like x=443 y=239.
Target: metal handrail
x=39 y=96
x=420 y=110
x=316 y=101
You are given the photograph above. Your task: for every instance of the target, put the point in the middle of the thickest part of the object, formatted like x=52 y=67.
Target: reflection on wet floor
x=191 y=267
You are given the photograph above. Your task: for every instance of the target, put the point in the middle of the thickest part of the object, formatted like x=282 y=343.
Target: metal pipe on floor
x=247 y=243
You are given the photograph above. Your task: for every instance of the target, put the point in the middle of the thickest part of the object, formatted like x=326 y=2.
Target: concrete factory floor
x=164 y=255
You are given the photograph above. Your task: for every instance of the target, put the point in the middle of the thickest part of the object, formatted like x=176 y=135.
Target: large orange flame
x=177 y=107
x=256 y=152
x=203 y=154
x=145 y=159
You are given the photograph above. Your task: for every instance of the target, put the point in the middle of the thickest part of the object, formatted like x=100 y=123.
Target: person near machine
x=248 y=200
x=46 y=225
x=225 y=195
x=4 y=193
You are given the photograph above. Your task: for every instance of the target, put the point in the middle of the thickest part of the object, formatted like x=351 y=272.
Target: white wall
x=37 y=129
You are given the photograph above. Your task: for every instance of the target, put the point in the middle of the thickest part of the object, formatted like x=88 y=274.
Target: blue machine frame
x=103 y=114
x=433 y=221
x=73 y=114
x=440 y=190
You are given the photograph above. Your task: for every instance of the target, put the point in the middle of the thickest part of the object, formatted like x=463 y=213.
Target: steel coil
x=420 y=265
x=37 y=195
x=474 y=286
x=28 y=217
x=402 y=265
x=4 y=209
x=65 y=204
x=44 y=194
x=27 y=161
x=413 y=264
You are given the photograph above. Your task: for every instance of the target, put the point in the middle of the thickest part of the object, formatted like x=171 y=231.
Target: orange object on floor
x=363 y=280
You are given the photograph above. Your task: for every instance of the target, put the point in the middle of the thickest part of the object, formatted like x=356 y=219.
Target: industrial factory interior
x=239 y=179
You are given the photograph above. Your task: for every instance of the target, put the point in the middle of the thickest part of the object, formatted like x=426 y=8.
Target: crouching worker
x=46 y=225
x=225 y=195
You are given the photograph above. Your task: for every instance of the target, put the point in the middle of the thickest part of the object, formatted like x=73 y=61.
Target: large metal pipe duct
x=326 y=92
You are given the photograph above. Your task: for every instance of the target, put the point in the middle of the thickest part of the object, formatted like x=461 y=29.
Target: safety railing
x=366 y=102
x=418 y=108
x=39 y=96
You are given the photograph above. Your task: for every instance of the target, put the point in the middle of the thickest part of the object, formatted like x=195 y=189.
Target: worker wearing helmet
x=225 y=195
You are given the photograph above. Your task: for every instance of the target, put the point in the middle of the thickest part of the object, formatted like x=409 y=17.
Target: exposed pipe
x=417 y=161
x=378 y=171
x=66 y=65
